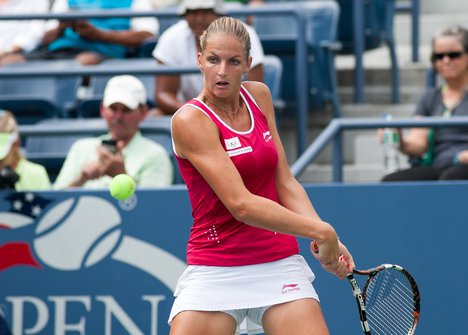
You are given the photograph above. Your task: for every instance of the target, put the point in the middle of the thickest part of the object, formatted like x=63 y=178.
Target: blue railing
x=333 y=132
x=412 y=7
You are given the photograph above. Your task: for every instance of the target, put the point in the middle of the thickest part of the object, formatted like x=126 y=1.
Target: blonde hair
x=230 y=26
x=8 y=124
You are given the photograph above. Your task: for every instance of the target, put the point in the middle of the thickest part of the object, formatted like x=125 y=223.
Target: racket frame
x=360 y=296
x=371 y=273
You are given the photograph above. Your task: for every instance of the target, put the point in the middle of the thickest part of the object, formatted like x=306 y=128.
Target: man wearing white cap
x=179 y=46
x=92 y=162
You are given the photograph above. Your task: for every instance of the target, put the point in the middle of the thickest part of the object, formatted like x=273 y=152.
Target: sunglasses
x=451 y=55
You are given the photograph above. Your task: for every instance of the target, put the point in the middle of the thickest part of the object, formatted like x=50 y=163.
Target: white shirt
x=137 y=24
x=177 y=47
x=22 y=33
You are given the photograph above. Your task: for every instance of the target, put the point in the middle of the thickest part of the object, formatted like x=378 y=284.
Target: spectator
x=92 y=162
x=91 y=41
x=179 y=46
x=450 y=145
x=18 y=37
x=16 y=172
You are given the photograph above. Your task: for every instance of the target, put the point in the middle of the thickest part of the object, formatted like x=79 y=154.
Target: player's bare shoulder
x=191 y=128
x=257 y=88
x=188 y=115
x=261 y=94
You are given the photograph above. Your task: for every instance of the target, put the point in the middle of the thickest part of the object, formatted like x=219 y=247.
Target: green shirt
x=146 y=161
x=33 y=177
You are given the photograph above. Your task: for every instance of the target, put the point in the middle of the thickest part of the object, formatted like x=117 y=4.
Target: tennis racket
x=389 y=304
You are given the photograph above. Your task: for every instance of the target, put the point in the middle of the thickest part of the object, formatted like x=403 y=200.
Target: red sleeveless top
x=216 y=238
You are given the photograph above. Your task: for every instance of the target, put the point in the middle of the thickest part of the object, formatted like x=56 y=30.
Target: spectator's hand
x=86 y=30
x=14 y=56
x=64 y=24
x=90 y=171
x=111 y=164
x=380 y=132
x=463 y=157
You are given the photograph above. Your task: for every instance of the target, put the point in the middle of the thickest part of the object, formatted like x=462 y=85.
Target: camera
x=8 y=178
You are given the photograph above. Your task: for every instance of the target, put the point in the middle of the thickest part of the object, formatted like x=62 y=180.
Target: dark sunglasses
x=451 y=55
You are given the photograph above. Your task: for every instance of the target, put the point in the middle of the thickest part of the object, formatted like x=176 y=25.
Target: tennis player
x=244 y=266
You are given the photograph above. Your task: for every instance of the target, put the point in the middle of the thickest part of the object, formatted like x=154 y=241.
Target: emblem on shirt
x=232 y=143
x=267 y=136
x=234 y=147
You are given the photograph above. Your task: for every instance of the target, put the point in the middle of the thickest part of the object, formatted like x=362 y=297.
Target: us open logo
x=69 y=237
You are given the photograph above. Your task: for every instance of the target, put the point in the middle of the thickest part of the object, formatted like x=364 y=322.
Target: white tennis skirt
x=214 y=288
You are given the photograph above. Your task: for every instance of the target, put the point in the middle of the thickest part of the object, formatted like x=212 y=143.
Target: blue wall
x=98 y=266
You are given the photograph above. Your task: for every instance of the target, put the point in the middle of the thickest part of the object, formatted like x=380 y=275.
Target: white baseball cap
x=6 y=142
x=8 y=132
x=216 y=5
x=127 y=90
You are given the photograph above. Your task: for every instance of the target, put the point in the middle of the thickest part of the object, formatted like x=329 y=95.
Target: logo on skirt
x=287 y=288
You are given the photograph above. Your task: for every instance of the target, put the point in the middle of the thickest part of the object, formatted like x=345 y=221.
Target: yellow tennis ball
x=122 y=187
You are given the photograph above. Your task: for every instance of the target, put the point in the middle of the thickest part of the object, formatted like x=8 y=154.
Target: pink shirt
x=216 y=238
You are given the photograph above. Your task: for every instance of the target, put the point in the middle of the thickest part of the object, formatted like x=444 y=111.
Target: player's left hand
x=347 y=255
x=340 y=267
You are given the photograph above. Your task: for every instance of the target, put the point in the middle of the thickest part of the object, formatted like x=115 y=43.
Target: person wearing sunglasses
x=440 y=153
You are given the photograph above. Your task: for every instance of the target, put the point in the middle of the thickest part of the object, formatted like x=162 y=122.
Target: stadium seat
x=34 y=99
x=378 y=30
x=89 y=107
x=164 y=138
x=273 y=71
x=146 y=49
x=278 y=36
x=50 y=149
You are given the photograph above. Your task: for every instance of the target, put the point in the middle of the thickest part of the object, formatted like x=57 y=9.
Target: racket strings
x=389 y=300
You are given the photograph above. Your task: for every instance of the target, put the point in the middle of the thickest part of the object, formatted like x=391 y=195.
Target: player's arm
x=290 y=192
x=196 y=138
